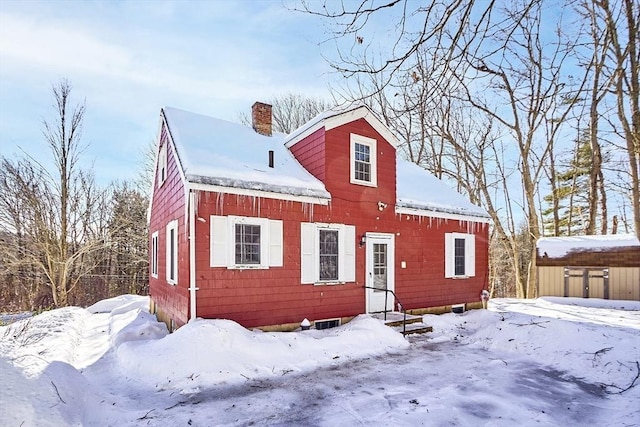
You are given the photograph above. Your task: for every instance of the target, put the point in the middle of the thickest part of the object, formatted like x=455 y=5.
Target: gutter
x=192 y=255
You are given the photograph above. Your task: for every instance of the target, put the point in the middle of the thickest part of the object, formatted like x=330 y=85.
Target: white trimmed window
x=162 y=164
x=327 y=253
x=245 y=242
x=172 y=252
x=363 y=161
x=154 y=255
x=460 y=255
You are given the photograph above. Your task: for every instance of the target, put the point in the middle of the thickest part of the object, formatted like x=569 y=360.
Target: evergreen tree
x=572 y=192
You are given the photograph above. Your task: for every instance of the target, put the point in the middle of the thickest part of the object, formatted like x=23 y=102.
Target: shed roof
x=558 y=247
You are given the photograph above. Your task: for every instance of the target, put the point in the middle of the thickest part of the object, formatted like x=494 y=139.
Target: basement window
x=326 y=323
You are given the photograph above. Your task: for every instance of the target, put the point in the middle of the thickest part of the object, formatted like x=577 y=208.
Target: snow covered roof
x=557 y=247
x=338 y=116
x=218 y=152
x=226 y=154
x=419 y=189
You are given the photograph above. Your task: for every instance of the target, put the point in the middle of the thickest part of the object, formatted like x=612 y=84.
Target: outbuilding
x=589 y=266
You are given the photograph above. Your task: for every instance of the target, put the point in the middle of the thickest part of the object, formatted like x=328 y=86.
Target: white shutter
x=275 y=243
x=218 y=239
x=349 y=245
x=307 y=253
x=448 y=255
x=470 y=255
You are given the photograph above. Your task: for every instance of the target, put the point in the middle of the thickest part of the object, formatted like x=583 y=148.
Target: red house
x=268 y=229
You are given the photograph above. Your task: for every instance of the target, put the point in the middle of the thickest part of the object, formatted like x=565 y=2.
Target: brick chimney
x=261 y=118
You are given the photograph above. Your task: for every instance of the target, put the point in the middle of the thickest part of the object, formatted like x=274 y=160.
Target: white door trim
x=375 y=300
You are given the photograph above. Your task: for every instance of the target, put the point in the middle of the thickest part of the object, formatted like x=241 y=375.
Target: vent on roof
x=327 y=323
x=270 y=158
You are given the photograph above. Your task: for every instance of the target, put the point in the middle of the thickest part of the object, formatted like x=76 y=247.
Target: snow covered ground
x=550 y=361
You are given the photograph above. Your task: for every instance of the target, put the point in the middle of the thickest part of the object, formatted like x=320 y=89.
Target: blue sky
x=130 y=58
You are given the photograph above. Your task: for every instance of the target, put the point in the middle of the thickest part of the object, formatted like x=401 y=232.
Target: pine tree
x=572 y=192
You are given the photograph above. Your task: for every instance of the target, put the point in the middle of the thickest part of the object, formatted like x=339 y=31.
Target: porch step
x=414 y=328
x=414 y=324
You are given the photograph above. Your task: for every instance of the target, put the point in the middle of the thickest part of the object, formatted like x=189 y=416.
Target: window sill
x=328 y=283
x=247 y=267
x=364 y=183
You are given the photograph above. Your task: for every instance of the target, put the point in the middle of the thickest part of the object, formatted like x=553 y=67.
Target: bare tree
x=621 y=22
x=52 y=216
x=291 y=110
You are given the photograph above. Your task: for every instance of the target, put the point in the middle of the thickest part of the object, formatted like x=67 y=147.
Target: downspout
x=192 y=255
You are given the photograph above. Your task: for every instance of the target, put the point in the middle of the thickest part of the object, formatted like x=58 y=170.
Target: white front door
x=380 y=273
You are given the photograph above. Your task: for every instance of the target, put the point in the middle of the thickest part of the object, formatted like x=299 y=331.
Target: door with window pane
x=379 y=271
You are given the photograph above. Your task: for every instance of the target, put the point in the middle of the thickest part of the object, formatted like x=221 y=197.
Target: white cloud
x=128 y=59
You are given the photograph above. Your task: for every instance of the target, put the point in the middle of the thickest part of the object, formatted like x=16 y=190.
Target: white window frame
x=162 y=164
x=372 y=144
x=469 y=255
x=172 y=227
x=154 y=255
x=310 y=253
x=223 y=245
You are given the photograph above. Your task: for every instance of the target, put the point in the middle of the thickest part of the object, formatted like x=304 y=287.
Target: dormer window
x=363 y=161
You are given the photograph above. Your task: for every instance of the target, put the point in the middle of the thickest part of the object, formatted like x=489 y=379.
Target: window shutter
x=307 y=253
x=448 y=255
x=349 y=244
x=470 y=255
x=275 y=243
x=219 y=238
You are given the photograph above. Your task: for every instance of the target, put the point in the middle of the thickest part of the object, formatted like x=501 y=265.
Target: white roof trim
x=257 y=193
x=333 y=119
x=443 y=215
x=174 y=151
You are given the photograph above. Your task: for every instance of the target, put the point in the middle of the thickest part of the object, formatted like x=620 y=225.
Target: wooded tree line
x=531 y=107
x=64 y=239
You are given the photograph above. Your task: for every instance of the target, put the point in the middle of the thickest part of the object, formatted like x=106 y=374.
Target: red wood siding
x=275 y=296
x=168 y=203
x=311 y=154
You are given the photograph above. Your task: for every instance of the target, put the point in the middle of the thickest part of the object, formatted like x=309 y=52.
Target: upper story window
x=363 y=161
x=246 y=242
x=460 y=255
x=162 y=164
